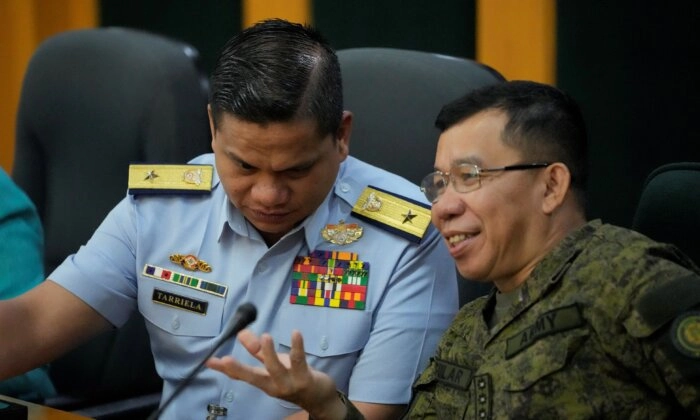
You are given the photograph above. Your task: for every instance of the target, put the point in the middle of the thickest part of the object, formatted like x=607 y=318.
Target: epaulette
x=400 y=215
x=170 y=179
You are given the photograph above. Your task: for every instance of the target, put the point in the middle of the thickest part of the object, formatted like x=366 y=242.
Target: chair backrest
x=92 y=102
x=669 y=207
x=395 y=96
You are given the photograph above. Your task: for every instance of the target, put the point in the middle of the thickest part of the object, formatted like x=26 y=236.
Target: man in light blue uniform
x=318 y=241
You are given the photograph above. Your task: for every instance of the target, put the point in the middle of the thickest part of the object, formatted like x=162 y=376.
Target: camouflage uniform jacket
x=607 y=326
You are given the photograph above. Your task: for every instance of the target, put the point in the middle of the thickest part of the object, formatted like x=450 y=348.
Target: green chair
x=669 y=207
x=92 y=102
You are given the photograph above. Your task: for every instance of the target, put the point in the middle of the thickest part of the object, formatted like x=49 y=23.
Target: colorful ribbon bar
x=184 y=280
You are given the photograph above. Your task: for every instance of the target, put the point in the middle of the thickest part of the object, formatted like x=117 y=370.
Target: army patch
x=554 y=321
x=331 y=279
x=685 y=334
x=180 y=302
x=181 y=279
x=452 y=375
x=168 y=179
x=400 y=215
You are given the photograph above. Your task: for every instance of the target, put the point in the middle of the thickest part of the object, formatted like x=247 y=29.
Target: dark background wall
x=627 y=62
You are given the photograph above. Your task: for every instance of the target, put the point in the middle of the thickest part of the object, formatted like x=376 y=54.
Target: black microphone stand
x=245 y=314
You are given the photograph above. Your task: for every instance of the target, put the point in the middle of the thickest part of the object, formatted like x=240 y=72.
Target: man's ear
x=557 y=182
x=211 y=123
x=343 y=135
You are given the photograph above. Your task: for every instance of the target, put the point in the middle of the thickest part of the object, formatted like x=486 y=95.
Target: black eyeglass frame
x=447 y=177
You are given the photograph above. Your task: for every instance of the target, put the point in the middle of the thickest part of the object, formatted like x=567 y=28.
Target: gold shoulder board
x=169 y=179
x=400 y=215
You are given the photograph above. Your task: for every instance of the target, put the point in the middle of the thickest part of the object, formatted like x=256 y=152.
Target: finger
x=272 y=362
x=297 y=355
x=251 y=342
x=226 y=364
x=236 y=370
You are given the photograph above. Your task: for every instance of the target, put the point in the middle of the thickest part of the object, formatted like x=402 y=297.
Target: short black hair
x=544 y=123
x=278 y=71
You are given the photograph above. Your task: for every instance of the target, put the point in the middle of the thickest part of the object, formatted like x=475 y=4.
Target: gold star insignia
x=151 y=175
x=408 y=217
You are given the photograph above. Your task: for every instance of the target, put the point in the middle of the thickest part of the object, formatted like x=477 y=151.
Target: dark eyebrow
x=303 y=165
x=234 y=157
x=299 y=167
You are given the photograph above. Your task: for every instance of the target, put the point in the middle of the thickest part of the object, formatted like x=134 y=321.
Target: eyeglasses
x=464 y=178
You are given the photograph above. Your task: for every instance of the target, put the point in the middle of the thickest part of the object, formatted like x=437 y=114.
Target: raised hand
x=284 y=376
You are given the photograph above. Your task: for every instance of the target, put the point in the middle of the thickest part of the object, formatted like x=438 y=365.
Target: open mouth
x=456 y=239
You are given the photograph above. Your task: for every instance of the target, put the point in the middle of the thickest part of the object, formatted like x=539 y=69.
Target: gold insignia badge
x=193 y=176
x=373 y=203
x=190 y=262
x=150 y=175
x=342 y=234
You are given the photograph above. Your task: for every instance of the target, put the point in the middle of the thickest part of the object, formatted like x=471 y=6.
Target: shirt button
x=175 y=323
x=262 y=267
x=482 y=398
x=229 y=396
x=344 y=187
x=482 y=414
x=324 y=343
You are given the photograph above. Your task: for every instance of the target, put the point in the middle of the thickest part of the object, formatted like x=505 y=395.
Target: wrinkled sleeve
x=666 y=320
x=102 y=272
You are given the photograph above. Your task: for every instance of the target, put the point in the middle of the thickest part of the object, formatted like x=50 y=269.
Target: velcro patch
x=452 y=375
x=684 y=292
x=557 y=320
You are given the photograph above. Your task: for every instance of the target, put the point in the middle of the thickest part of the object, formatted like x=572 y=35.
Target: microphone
x=245 y=314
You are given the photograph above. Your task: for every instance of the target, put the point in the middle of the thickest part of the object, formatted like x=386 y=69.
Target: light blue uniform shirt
x=373 y=354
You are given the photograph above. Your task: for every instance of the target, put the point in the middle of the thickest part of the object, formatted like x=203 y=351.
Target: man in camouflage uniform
x=586 y=320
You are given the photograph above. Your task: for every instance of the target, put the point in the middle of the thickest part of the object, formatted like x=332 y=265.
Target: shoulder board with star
x=397 y=214
x=170 y=179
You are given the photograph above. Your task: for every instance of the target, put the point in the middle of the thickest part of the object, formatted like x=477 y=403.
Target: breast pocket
x=535 y=367
x=327 y=332
x=437 y=397
x=181 y=321
x=333 y=338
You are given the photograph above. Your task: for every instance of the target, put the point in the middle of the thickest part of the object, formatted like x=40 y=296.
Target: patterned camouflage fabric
x=608 y=326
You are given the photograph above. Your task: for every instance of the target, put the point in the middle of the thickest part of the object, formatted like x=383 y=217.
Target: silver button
x=229 y=396
x=344 y=187
x=324 y=343
x=216 y=410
